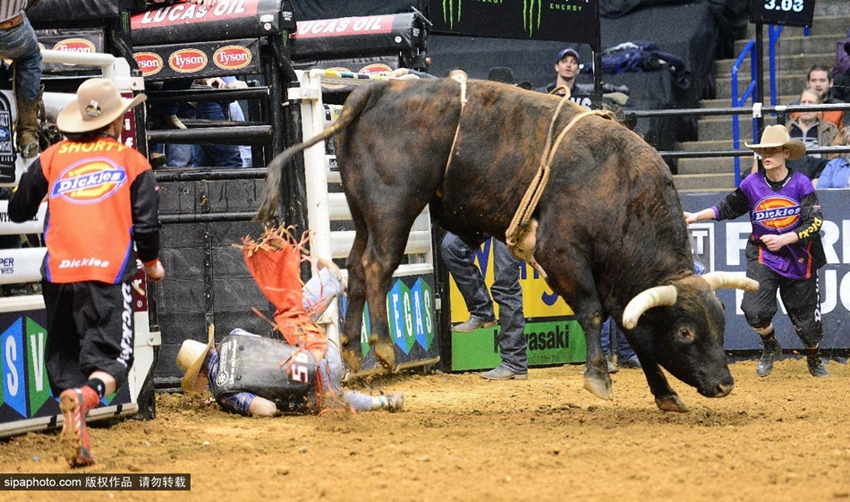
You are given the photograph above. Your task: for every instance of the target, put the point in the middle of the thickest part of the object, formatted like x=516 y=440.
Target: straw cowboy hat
x=190 y=359
x=776 y=136
x=97 y=105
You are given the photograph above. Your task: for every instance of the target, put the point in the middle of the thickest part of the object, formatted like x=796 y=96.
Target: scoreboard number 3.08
x=787 y=12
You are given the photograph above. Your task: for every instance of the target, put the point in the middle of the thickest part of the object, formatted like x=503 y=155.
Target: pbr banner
x=86 y=41
x=199 y=59
x=720 y=245
x=560 y=20
x=360 y=36
x=7 y=144
x=189 y=22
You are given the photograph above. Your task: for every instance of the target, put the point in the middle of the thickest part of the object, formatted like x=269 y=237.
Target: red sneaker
x=75 y=405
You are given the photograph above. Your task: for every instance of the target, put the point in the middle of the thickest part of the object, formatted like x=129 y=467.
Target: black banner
x=86 y=41
x=356 y=36
x=189 y=22
x=788 y=12
x=561 y=20
x=199 y=60
x=47 y=11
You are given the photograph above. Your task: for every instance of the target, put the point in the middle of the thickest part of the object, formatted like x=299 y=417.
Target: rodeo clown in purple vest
x=245 y=375
x=784 y=250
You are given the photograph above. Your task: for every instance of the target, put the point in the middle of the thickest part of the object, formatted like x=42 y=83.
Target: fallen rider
x=255 y=375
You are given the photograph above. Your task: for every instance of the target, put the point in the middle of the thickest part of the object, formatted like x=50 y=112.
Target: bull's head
x=686 y=337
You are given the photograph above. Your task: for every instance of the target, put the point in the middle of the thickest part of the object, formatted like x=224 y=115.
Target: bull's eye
x=686 y=335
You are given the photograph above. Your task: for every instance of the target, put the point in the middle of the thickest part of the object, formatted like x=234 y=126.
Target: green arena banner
x=560 y=20
x=550 y=341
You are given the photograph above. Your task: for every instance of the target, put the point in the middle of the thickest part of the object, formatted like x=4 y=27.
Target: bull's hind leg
x=575 y=284
x=350 y=339
x=380 y=260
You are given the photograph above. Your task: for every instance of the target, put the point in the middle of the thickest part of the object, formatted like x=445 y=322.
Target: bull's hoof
x=599 y=386
x=671 y=403
x=385 y=355
x=352 y=359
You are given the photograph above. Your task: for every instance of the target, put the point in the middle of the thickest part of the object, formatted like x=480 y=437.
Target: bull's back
x=398 y=144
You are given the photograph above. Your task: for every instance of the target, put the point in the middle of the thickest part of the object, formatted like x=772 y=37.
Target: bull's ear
x=659 y=296
x=720 y=280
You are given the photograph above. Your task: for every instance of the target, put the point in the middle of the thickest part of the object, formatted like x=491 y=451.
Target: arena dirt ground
x=460 y=438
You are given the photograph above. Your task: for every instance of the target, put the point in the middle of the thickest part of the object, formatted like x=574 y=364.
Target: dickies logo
x=776 y=212
x=74 y=45
x=148 y=62
x=232 y=57
x=89 y=181
x=187 y=61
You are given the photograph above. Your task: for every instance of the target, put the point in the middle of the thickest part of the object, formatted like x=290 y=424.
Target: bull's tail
x=354 y=106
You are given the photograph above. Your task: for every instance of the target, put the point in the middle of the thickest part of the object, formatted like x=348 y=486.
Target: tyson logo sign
x=74 y=45
x=375 y=69
x=187 y=61
x=148 y=62
x=232 y=57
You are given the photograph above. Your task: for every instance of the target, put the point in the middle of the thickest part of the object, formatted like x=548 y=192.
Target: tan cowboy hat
x=190 y=359
x=97 y=105
x=777 y=135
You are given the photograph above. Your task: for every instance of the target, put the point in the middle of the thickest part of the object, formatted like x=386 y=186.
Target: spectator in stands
x=782 y=254
x=841 y=84
x=813 y=131
x=566 y=70
x=90 y=260
x=819 y=78
x=836 y=174
x=18 y=43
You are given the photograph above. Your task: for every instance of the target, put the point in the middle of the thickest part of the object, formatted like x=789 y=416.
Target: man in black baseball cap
x=567 y=69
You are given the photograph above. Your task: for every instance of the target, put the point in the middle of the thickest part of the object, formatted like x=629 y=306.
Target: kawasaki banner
x=554 y=336
x=561 y=20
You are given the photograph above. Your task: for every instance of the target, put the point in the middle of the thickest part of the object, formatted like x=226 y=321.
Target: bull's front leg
x=665 y=397
x=596 y=377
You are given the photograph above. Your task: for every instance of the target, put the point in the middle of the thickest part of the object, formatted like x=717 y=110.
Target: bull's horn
x=719 y=280
x=659 y=296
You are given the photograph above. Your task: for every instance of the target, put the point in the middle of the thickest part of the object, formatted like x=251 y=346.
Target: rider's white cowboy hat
x=97 y=105
x=190 y=359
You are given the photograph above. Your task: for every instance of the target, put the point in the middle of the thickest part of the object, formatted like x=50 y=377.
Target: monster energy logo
x=528 y=24
x=531 y=13
x=448 y=12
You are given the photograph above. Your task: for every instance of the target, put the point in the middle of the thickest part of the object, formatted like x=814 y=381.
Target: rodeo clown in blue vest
x=254 y=375
x=784 y=250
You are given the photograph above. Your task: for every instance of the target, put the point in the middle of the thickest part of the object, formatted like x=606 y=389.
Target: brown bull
x=610 y=228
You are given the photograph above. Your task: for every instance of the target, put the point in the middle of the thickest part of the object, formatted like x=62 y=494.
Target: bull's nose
x=723 y=390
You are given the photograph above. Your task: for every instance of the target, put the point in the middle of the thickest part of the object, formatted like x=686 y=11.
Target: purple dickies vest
x=778 y=212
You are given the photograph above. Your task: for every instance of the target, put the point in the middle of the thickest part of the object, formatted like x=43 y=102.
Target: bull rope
x=460 y=78
x=520 y=226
